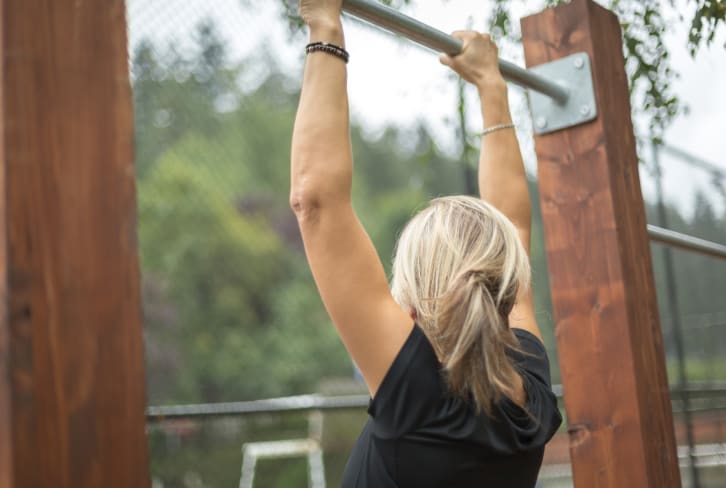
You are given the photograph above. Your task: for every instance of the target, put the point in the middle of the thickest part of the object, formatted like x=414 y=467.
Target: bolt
x=585 y=110
x=579 y=62
x=541 y=122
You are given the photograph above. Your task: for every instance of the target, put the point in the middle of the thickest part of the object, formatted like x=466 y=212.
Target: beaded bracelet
x=326 y=47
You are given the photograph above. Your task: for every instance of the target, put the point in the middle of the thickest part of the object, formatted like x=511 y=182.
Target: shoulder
x=529 y=343
x=531 y=357
x=411 y=386
x=537 y=423
x=415 y=370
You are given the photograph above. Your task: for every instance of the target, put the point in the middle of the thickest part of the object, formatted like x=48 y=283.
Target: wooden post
x=71 y=351
x=603 y=292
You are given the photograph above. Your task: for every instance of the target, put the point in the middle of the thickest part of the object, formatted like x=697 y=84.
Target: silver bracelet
x=496 y=128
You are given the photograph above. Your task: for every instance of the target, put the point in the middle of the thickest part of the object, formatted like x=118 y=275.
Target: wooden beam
x=608 y=332
x=71 y=351
x=6 y=422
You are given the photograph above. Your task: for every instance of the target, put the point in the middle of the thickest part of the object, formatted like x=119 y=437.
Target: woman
x=451 y=353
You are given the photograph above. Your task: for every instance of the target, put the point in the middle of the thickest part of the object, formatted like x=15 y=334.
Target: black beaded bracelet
x=326 y=47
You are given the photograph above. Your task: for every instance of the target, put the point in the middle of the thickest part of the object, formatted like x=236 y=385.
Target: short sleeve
x=532 y=358
x=411 y=388
x=540 y=421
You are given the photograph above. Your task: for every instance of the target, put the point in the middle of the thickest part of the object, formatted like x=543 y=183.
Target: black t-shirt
x=418 y=435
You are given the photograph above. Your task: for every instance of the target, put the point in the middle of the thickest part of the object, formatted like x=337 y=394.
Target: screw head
x=541 y=122
x=579 y=62
x=585 y=110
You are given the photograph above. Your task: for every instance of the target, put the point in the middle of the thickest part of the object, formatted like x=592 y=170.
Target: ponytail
x=474 y=339
x=459 y=264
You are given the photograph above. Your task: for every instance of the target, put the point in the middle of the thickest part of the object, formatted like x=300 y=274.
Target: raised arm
x=346 y=268
x=502 y=179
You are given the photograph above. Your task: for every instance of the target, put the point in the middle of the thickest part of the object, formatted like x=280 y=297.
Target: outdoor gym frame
x=71 y=348
x=560 y=90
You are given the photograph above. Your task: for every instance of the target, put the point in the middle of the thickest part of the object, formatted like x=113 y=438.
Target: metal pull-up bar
x=562 y=90
x=566 y=102
x=396 y=22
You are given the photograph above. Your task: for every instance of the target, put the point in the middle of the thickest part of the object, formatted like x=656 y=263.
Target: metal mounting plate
x=575 y=73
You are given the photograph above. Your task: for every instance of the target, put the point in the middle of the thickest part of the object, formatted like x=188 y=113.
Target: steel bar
x=300 y=403
x=306 y=403
x=398 y=23
x=702 y=390
x=686 y=242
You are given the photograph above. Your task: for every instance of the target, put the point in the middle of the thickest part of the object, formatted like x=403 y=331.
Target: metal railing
x=706 y=456
x=292 y=404
x=687 y=242
x=307 y=403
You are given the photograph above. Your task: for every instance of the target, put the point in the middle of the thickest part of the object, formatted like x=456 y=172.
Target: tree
x=174 y=95
x=231 y=310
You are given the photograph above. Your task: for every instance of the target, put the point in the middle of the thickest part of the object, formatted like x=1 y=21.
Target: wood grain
x=607 y=326
x=74 y=339
x=6 y=429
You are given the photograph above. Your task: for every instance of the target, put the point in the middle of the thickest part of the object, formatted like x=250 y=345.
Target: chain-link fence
x=231 y=313
x=693 y=320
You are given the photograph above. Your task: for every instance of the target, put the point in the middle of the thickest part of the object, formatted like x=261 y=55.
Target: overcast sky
x=395 y=82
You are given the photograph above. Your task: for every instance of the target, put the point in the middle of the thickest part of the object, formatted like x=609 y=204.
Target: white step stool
x=310 y=447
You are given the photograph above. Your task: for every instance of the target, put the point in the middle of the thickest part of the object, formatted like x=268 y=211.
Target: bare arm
x=502 y=179
x=346 y=268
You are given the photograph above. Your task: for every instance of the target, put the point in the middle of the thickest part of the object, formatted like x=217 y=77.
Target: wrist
x=491 y=86
x=494 y=102
x=327 y=30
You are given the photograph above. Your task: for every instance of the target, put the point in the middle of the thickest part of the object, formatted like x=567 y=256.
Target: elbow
x=310 y=202
x=305 y=190
x=312 y=192
x=304 y=202
x=308 y=197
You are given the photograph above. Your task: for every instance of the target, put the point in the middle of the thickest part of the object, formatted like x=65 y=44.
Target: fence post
x=71 y=351
x=608 y=332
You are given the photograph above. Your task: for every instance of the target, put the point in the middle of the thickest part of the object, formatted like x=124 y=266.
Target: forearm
x=503 y=183
x=502 y=179
x=321 y=160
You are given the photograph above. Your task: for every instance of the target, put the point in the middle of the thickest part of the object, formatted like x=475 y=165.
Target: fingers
x=478 y=55
x=470 y=37
x=467 y=35
x=463 y=35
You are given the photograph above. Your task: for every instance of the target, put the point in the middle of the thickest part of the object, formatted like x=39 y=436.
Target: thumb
x=446 y=60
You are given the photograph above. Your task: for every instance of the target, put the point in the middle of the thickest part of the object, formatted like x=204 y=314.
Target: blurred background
x=230 y=309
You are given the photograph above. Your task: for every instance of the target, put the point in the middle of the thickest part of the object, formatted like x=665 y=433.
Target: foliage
x=218 y=245
x=231 y=310
x=226 y=287
x=706 y=21
x=647 y=60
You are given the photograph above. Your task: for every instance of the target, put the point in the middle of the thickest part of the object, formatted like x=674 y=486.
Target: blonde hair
x=459 y=265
